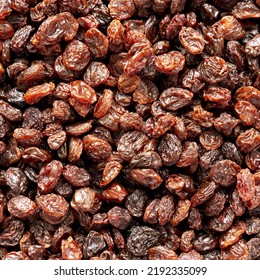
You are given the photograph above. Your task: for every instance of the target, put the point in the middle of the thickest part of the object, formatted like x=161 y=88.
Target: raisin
x=181 y=212
x=119 y=217
x=252 y=225
x=76 y=56
x=211 y=140
x=232 y=235
x=244 y=10
x=115 y=193
x=170 y=149
x=18 y=255
x=253 y=46
x=6 y=30
x=205 y=192
x=252 y=161
x=161 y=253
x=214 y=205
x=135 y=203
x=55 y=141
x=49 y=176
x=173 y=99
x=131 y=121
x=151 y=212
x=137 y=58
x=42 y=232
x=195 y=219
x=245 y=184
x=97 y=149
x=78 y=129
x=53 y=208
x=174 y=26
x=248 y=93
x=230 y=151
x=116 y=34
x=97 y=42
x=34 y=94
x=213 y=69
x=76 y=176
x=94 y=243
x=36 y=252
x=131 y=143
x=224 y=172
x=170 y=63
x=230 y=28
x=237 y=251
x=191 y=255
x=148 y=159
x=32 y=118
x=61 y=111
x=209 y=158
x=217 y=95
x=186 y=239
x=253 y=248
x=20 y=38
x=120 y=9
x=225 y=123
x=82 y=92
x=192 y=40
x=248 y=140
x=9 y=112
x=16 y=180
x=247 y=112
x=64 y=73
x=11 y=233
x=21 y=207
x=96 y=74
x=235 y=54
x=5 y=9
x=222 y=222
x=12 y=153
x=165 y=209
x=27 y=136
x=75 y=149
x=146 y=177
x=86 y=200
x=141 y=239
x=146 y=92
x=70 y=249
x=189 y=154
x=64 y=27
x=236 y=203
x=205 y=242
x=103 y=104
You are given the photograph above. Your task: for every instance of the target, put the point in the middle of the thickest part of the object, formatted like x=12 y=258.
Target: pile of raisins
x=129 y=129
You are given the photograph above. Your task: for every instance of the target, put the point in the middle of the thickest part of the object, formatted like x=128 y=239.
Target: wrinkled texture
x=129 y=129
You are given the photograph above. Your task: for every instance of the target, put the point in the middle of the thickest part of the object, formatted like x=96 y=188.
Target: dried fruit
x=213 y=69
x=78 y=177
x=192 y=40
x=170 y=63
x=224 y=172
x=49 y=176
x=21 y=207
x=141 y=239
x=119 y=217
x=70 y=249
x=53 y=208
x=86 y=200
x=173 y=99
x=129 y=129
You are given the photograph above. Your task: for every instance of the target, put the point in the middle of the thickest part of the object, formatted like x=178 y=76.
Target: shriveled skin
x=129 y=130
